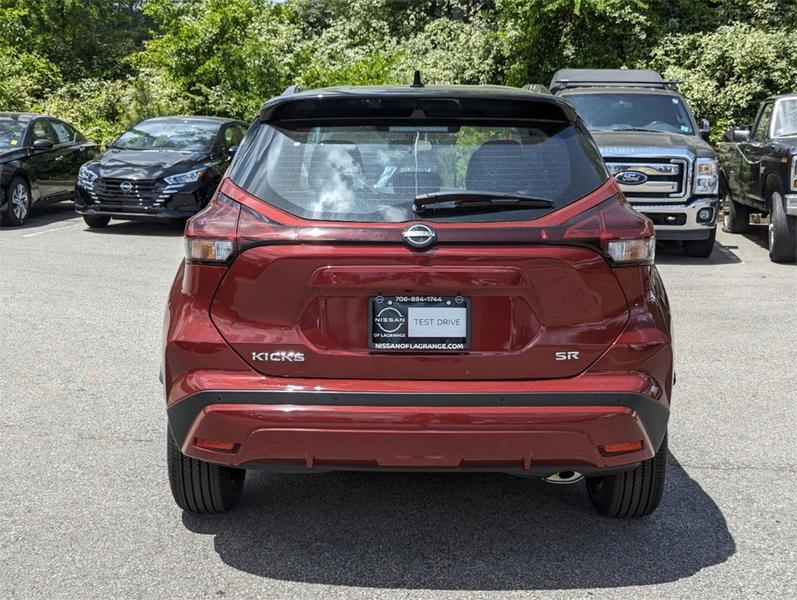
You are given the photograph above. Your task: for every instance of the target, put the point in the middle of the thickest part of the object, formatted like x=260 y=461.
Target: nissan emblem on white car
x=419 y=236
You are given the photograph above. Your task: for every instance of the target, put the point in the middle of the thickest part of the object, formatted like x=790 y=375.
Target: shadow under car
x=460 y=532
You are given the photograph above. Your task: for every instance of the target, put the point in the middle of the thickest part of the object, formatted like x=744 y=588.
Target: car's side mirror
x=705 y=129
x=42 y=145
x=741 y=134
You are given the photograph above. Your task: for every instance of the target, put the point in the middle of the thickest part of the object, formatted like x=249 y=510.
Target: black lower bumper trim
x=653 y=414
x=161 y=215
x=686 y=234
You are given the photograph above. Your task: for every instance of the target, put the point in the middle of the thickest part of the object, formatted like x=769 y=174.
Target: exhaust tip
x=564 y=477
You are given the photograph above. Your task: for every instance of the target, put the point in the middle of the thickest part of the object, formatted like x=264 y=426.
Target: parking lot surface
x=85 y=509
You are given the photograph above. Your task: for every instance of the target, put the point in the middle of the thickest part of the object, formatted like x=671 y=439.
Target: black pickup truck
x=758 y=174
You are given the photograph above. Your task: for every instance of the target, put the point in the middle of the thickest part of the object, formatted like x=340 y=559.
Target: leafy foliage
x=105 y=64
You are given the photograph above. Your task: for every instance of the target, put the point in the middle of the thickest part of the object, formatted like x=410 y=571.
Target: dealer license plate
x=419 y=323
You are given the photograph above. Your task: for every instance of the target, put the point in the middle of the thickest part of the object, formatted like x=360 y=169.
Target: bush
x=102 y=110
x=26 y=78
x=727 y=72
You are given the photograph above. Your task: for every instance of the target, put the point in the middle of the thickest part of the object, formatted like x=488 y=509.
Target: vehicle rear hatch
x=536 y=311
x=326 y=275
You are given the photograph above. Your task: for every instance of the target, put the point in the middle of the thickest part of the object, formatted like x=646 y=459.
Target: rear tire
x=96 y=221
x=202 y=487
x=782 y=231
x=700 y=248
x=634 y=493
x=18 y=203
x=737 y=216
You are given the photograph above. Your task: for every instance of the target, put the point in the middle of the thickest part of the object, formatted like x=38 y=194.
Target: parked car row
x=167 y=168
x=423 y=278
x=163 y=168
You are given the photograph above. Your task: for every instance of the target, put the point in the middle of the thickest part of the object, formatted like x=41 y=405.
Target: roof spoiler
x=400 y=104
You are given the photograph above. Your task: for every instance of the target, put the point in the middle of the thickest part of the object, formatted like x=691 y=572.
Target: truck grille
x=667 y=178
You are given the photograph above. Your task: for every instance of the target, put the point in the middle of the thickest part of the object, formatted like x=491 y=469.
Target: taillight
x=625 y=236
x=210 y=234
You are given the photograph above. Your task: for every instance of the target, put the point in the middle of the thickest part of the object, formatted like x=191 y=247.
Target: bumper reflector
x=215 y=445
x=621 y=448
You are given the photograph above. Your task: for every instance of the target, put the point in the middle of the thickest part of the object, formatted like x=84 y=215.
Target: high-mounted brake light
x=625 y=236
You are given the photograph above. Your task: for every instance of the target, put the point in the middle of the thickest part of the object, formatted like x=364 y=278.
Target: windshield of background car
x=621 y=112
x=373 y=172
x=189 y=136
x=786 y=118
x=11 y=133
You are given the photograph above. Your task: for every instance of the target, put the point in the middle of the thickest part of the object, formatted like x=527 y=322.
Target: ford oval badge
x=631 y=177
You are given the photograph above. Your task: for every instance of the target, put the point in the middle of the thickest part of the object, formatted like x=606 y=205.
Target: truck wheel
x=634 y=493
x=782 y=231
x=18 y=202
x=199 y=486
x=737 y=216
x=96 y=221
x=700 y=248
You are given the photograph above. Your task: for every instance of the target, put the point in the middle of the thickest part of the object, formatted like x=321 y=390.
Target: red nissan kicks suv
x=419 y=278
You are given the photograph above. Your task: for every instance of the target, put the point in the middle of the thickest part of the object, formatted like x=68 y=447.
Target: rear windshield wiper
x=476 y=201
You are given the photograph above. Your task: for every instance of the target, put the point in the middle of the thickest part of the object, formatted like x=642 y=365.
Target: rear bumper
x=685 y=218
x=531 y=433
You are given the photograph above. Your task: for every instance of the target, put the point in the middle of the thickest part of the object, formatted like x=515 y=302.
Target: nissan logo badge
x=419 y=236
x=126 y=186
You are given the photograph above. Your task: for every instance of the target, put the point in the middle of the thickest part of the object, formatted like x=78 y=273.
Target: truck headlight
x=794 y=173
x=86 y=177
x=706 y=176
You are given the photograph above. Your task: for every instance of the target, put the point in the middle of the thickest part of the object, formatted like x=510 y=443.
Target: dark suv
x=419 y=278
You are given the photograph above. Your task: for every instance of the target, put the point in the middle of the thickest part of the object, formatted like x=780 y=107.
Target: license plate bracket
x=419 y=323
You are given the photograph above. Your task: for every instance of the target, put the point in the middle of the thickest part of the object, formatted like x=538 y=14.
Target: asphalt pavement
x=85 y=509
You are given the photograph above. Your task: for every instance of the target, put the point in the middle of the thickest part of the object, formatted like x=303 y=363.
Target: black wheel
x=634 y=493
x=736 y=218
x=700 y=248
x=19 y=202
x=96 y=221
x=782 y=231
x=202 y=487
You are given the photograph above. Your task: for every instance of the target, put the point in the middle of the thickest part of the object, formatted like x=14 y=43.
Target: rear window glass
x=373 y=172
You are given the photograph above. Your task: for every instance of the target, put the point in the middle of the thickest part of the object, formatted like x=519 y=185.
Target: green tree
x=224 y=56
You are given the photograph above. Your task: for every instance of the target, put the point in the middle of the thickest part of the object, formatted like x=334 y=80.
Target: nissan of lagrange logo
x=279 y=356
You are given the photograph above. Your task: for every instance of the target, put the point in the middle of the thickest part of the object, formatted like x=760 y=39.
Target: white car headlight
x=86 y=177
x=184 y=178
x=706 y=176
x=794 y=173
